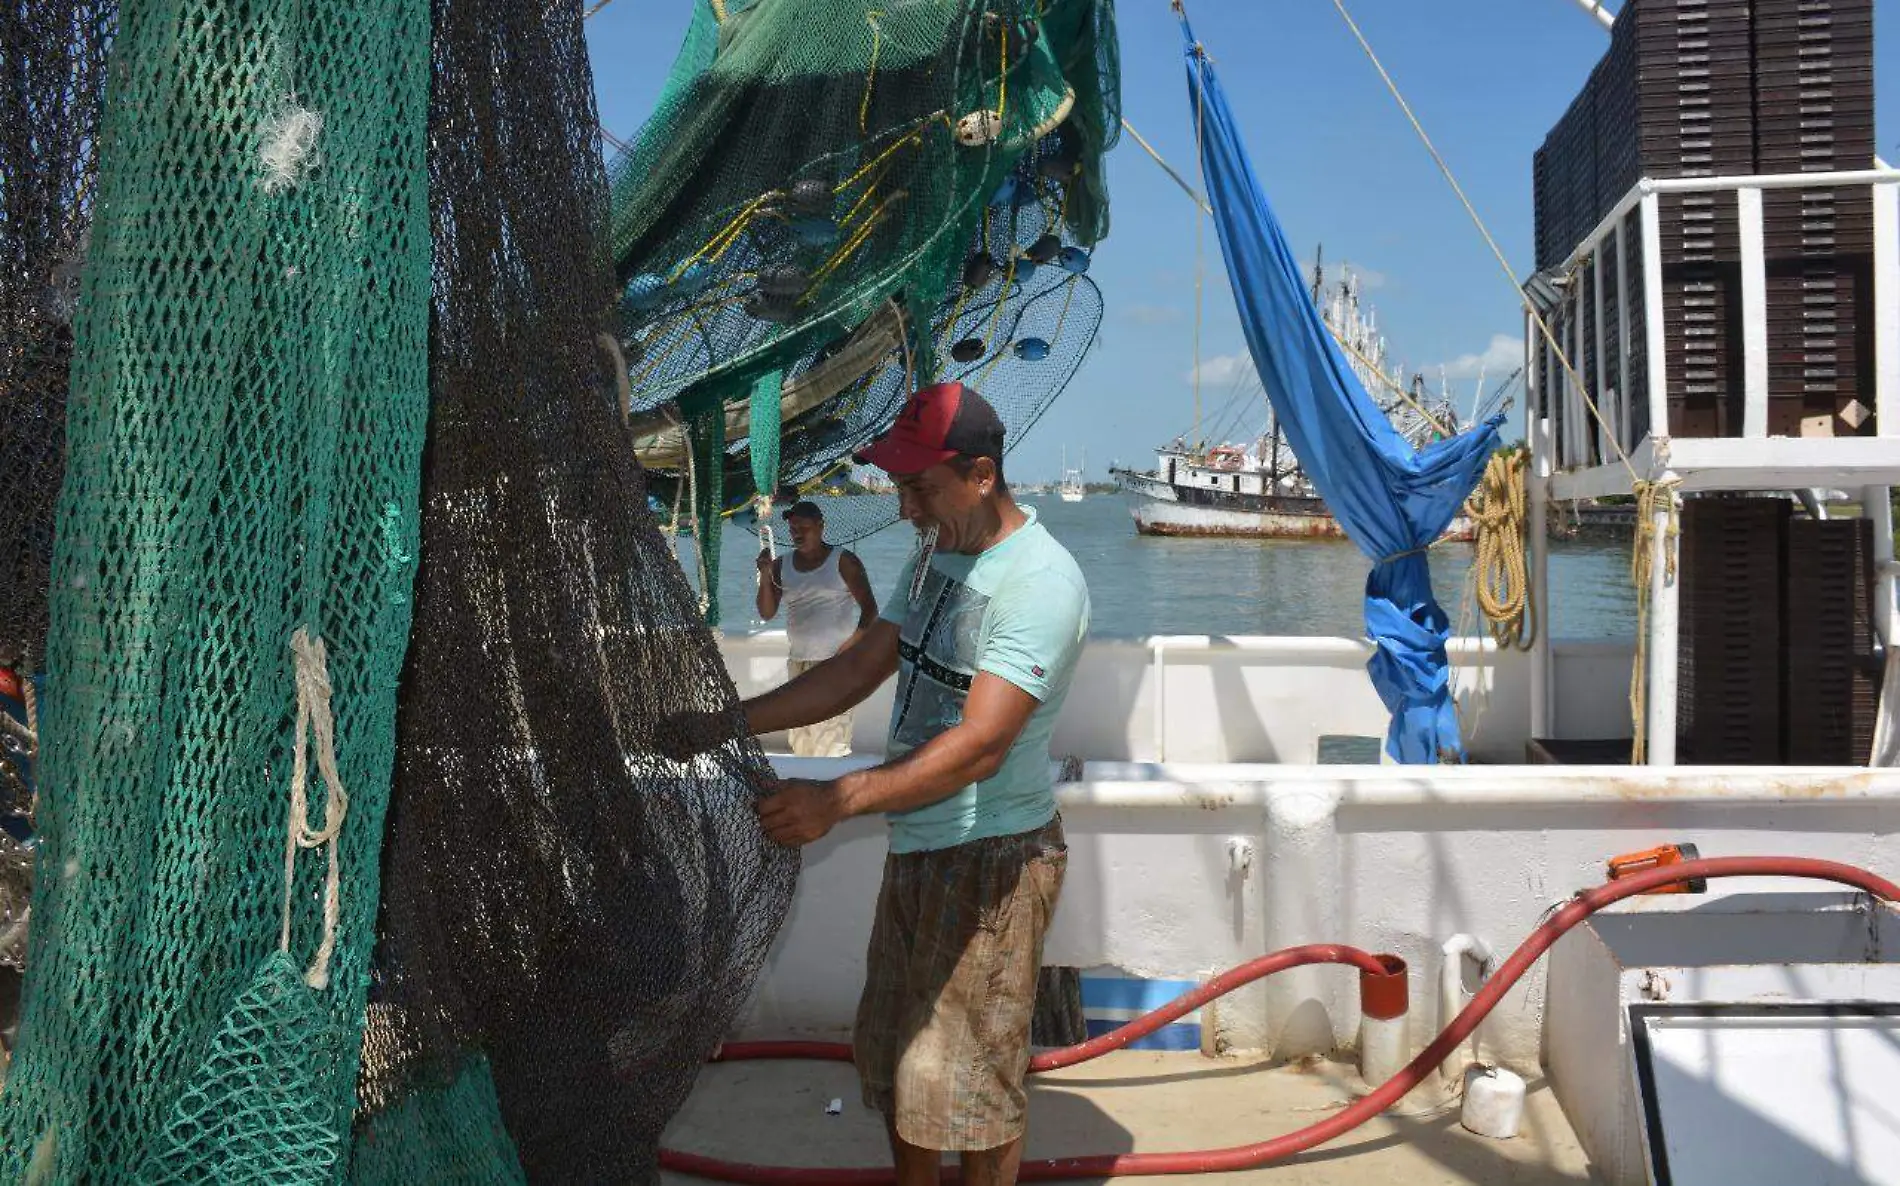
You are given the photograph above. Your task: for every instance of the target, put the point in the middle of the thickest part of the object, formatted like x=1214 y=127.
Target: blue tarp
x=1392 y=501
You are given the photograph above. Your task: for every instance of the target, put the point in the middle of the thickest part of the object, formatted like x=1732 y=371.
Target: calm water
x=1142 y=585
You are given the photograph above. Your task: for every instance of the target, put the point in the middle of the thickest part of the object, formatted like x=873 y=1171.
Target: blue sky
x=1342 y=167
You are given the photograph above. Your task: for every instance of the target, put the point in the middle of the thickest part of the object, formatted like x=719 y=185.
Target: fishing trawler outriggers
x=1259 y=490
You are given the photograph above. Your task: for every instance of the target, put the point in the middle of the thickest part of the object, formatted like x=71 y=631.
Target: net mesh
x=571 y=922
x=55 y=55
x=832 y=204
x=564 y=923
x=248 y=398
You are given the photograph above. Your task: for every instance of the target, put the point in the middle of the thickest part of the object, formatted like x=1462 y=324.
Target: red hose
x=1141 y=1027
x=1245 y=1157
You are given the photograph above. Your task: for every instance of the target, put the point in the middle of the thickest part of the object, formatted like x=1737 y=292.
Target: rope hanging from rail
x=1499 y=509
x=1654 y=499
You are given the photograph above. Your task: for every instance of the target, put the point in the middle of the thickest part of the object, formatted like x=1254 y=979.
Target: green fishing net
x=280 y=287
x=834 y=203
x=248 y=399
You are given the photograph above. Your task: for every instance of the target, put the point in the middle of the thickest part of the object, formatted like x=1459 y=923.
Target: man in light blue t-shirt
x=983 y=632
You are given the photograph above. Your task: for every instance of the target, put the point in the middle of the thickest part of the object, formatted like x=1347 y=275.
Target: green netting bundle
x=840 y=202
x=248 y=398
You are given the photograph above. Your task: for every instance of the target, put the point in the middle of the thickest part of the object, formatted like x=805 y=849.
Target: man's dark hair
x=963 y=463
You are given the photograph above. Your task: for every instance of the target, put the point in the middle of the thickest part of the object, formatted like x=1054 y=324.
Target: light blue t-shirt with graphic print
x=1019 y=611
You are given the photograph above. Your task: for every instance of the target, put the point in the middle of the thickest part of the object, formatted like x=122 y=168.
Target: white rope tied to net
x=762 y=510
x=289 y=150
x=623 y=387
x=30 y=699
x=313 y=717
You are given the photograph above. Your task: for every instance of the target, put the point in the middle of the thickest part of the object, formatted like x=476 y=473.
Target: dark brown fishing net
x=52 y=77
x=563 y=910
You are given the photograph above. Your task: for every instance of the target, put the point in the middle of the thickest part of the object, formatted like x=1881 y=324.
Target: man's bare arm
x=859 y=582
x=994 y=714
x=771 y=585
x=840 y=682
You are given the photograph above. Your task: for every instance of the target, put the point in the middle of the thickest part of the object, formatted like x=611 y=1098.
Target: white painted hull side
x=1159 y=508
x=1157 y=517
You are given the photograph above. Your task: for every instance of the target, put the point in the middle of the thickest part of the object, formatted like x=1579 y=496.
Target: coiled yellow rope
x=1500 y=509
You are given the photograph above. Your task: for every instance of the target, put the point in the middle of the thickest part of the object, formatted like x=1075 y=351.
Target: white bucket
x=1494 y=1102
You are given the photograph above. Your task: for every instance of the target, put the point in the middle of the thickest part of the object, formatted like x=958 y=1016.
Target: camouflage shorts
x=825 y=739
x=942 y=1035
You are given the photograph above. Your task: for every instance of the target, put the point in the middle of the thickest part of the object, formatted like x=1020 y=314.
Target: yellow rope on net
x=1499 y=509
x=1653 y=498
x=909 y=138
x=1063 y=317
x=1002 y=76
x=727 y=236
x=851 y=245
x=870 y=74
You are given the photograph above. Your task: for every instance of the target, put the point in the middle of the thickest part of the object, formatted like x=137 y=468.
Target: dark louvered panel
x=1831 y=681
x=1729 y=699
x=1698 y=88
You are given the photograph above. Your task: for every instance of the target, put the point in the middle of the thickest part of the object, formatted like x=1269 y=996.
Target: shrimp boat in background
x=1259 y=490
x=1071 y=488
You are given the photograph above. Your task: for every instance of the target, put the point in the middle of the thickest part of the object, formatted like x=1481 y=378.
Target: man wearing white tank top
x=828 y=600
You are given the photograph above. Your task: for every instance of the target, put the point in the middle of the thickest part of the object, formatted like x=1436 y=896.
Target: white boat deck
x=1203 y=832
x=1142 y=1102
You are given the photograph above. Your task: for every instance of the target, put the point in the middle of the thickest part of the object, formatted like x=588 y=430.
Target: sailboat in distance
x=1071 y=488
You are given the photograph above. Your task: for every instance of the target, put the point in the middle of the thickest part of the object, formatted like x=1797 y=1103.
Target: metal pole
x=1886 y=393
x=1877 y=504
x=1605 y=451
x=1625 y=408
x=1696 y=185
x=1748 y=208
x=1664 y=616
x=1595 y=9
x=1656 y=345
x=1543 y=683
x=1533 y=419
x=1575 y=410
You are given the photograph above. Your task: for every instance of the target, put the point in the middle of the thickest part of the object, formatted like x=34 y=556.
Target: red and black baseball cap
x=939 y=422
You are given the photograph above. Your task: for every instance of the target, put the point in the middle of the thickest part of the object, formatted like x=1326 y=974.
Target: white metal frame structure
x=1753 y=461
x=1595 y=9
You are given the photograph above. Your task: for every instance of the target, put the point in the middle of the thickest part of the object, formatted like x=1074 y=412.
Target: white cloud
x=1223 y=369
x=1504 y=355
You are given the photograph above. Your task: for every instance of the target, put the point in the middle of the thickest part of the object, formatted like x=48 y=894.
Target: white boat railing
x=1706 y=463
x=1564 y=433
x=1261 y=700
